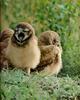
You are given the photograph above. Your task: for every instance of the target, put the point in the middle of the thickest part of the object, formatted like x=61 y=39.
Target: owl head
x=23 y=32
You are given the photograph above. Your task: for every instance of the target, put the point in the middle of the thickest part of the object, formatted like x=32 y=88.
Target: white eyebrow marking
x=16 y=29
x=26 y=29
x=20 y=30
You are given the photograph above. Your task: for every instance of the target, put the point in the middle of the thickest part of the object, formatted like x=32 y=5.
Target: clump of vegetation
x=17 y=85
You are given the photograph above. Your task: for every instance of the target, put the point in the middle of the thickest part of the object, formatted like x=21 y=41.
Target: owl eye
x=26 y=30
x=54 y=41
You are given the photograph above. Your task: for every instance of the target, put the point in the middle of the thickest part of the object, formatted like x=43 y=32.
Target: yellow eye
x=25 y=31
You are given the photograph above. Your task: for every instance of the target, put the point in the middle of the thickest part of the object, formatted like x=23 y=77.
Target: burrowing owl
x=22 y=50
x=51 y=50
x=4 y=37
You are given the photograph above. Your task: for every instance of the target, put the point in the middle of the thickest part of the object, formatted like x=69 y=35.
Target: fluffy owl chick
x=51 y=50
x=23 y=51
x=4 y=37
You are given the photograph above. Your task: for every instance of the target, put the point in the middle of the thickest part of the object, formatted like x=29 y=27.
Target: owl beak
x=21 y=37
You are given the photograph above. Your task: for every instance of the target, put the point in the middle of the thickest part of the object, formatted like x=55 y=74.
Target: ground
x=17 y=85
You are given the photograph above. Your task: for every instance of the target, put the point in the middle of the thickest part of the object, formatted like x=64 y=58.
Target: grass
x=17 y=85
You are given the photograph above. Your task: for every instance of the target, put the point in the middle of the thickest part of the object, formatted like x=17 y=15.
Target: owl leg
x=28 y=71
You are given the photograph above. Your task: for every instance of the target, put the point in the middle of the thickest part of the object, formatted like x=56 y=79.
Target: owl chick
x=22 y=50
x=4 y=37
x=51 y=50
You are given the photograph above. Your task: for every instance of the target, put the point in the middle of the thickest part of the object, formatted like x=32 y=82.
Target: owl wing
x=47 y=56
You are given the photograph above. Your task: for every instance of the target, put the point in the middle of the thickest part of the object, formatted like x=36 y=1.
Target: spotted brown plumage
x=4 y=37
x=51 y=50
